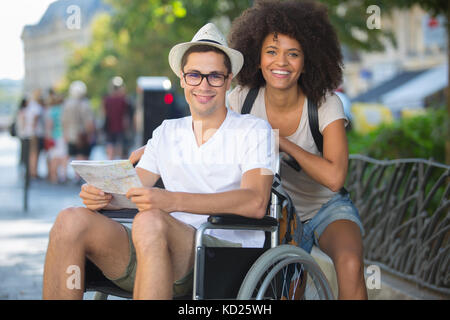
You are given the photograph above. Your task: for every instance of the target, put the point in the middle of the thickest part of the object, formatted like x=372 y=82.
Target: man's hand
x=152 y=198
x=136 y=155
x=94 y=198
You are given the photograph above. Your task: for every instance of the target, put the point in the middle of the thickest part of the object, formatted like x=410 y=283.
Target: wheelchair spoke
x=297 y=276
x=286 y=273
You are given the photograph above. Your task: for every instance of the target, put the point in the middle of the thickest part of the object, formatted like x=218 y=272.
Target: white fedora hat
x=211 y=36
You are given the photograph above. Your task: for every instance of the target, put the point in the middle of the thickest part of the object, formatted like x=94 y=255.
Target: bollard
x=26 y=158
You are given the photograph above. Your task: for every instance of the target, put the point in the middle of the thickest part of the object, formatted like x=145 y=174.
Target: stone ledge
x=392 y=287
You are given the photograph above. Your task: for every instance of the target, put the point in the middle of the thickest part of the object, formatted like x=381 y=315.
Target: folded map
x=111 y=176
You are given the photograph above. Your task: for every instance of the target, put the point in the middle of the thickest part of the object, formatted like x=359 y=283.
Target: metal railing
x=404 y=206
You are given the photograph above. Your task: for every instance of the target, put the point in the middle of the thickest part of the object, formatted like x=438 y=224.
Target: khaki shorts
x=181 y=287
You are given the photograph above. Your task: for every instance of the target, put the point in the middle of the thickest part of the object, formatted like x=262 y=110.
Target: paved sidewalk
x=24 y=235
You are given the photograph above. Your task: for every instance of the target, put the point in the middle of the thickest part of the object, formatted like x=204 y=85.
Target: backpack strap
x=313 y=117
x=249 y=100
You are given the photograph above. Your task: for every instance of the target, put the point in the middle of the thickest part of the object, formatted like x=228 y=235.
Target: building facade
x=421 y=43
x=47 y=44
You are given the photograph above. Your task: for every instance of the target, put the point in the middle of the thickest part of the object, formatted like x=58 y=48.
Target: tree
x=350 y=17
x=135 y=40
x=345 y=16
x=435 y=7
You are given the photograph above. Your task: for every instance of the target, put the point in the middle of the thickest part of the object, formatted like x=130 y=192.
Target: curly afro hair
x=305 y=21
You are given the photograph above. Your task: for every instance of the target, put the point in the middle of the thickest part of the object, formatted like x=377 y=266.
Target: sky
x=14 y=15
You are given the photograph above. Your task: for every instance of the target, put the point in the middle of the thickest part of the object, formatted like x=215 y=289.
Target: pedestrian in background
x=78 y=122
x=116 y=110
x=55 y=145
x=34 y=129
x=20 y=132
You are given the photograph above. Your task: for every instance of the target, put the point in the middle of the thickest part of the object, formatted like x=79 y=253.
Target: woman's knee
x=149 y=229
x=349 y=263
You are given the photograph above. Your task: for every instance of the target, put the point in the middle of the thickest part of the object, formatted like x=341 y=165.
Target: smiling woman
x=308 y=24
x=293 y=61
x=281 y=60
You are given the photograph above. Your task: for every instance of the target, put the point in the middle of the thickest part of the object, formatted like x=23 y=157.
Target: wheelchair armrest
x=231 y=219
x=128 y=214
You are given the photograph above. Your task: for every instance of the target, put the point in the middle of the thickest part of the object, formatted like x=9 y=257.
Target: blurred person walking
x=54 y=141
x=78 y=122
x=34 y=129
x=18 y=130
x=116 y=110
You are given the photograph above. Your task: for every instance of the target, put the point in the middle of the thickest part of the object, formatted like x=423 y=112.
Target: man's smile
x=203 y=97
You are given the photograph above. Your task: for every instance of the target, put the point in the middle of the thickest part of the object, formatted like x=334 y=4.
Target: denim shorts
x=340 y=207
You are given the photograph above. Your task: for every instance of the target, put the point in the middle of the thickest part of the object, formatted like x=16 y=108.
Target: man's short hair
x=205 y=48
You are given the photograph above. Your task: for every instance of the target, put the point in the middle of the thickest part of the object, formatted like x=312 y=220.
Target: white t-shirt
x=240 y=144
x=33 y=110
x=307 y=194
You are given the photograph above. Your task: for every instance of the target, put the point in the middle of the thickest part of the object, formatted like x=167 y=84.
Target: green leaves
x=135 y=40
x=171 y=11
x=421 y=136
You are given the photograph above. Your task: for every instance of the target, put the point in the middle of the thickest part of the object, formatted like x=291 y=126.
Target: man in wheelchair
x=212 y=162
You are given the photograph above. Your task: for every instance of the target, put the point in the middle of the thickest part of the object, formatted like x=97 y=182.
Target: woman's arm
x=331 y=170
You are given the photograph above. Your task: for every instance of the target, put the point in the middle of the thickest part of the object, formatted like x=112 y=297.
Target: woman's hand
x=152 y=198
x=94 y=198
x=136 y=155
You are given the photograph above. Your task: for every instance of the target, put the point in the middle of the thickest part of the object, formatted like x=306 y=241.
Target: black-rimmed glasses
x=195 y=78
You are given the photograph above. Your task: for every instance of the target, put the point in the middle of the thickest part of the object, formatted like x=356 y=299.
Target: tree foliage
x=421 y=136
x=135 y=40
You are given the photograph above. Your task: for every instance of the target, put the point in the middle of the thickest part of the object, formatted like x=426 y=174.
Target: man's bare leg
x=164 y=252
x=77 y=233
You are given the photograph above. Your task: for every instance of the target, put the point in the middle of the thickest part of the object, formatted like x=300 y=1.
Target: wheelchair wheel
x=285 y=272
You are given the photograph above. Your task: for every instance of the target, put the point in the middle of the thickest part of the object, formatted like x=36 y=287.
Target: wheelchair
x=274 y=272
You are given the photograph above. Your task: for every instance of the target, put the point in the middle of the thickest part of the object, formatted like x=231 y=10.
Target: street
x=24 y=235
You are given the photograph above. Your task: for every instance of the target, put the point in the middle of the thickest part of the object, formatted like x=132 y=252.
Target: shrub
x=421 y=136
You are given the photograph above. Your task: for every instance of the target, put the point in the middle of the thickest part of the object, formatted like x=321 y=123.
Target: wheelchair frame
x=231 y=222
x=268 y=224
